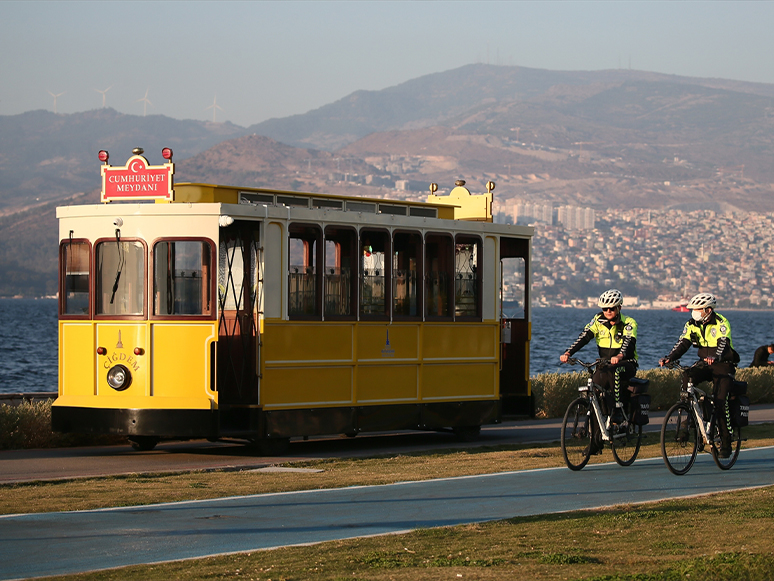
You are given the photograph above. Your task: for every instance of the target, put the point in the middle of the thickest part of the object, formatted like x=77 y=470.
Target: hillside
x=256 y=161
x=45 y=156
x=604 y=139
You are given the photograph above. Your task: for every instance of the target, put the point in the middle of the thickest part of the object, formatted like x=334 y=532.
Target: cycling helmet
x=610 y=298
x=702 y=301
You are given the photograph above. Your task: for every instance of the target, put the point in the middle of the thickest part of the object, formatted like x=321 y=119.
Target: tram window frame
x=445 y=242
x=96 y=285
x=517 y=248
x=383 y=240
x=414 y=238
x=464 y=240
x=63 y=280
x=208 y=313
x=343 y=239
x=306 y=233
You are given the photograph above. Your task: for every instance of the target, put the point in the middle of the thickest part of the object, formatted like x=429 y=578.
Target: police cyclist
x=710 y=332
x=616 y=337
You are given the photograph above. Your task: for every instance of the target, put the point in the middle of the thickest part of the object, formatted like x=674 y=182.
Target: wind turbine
x=214 y=107
x=145 y=102
x=103 y=94
x=55 y=98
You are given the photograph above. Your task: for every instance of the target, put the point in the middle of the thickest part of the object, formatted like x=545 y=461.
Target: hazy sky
x=273 y=59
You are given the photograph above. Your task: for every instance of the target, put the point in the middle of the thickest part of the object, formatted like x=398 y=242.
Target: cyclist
x=711 y=333
x=616 y=336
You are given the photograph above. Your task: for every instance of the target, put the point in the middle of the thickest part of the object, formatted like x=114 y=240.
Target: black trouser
x=612 y=377
x=720 y=374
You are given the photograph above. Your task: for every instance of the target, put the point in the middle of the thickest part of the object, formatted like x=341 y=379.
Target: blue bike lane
x=34 y=545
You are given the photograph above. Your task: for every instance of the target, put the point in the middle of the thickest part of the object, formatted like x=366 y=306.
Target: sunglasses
x=609 y=308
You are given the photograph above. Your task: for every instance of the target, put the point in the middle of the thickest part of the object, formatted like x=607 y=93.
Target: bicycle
x=586 y=418
x=685 y=432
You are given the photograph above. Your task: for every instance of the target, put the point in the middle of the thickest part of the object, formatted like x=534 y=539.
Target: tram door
x=239 y=284
x=515 y=329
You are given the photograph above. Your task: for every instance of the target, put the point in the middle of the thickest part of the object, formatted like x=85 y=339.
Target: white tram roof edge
x=258 y=203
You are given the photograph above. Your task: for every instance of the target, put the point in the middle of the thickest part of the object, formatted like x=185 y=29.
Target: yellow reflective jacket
x=612 y=339
x=712 y=338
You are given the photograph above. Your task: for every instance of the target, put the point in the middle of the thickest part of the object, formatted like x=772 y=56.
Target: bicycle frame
x=689 y=394
x=592 y=391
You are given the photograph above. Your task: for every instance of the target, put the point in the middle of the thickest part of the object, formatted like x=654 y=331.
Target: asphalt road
x=59 y=463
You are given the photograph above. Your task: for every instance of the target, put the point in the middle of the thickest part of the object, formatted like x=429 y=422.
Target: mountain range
x=604 y=139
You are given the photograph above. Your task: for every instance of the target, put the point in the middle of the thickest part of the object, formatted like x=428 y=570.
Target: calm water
x=28 y=339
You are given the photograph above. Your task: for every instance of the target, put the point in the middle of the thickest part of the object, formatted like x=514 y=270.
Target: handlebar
x=677 y=365
x=587 y=365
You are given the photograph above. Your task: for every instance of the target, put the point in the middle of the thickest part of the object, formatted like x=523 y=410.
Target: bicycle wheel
x=626 y=445
x=678 y=439
x=576 y=434
x=736 y=444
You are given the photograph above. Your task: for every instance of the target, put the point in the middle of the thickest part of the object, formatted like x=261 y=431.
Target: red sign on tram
x=137 y=181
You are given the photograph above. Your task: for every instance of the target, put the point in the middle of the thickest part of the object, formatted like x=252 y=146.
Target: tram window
x=303 y=284
x=361 y=207
x=439 y=250
x=394 y=210
x=514 y=290
x=76 y=257
x=329 y=204
x=406 y=266
x=375 y=248
x=340 y=264
x=467 y=277
x=120 y=278
x=181 y=278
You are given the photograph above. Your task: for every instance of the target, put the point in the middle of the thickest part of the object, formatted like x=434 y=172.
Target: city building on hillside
x=575 y=218
x=526 y=213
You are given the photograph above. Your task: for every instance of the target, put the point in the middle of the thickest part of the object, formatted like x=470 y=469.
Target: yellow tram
x=202 y=311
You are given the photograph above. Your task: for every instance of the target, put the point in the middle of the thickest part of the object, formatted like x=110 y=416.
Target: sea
x=28 y=339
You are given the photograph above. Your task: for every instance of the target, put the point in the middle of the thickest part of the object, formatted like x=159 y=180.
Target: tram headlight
x=119 y=377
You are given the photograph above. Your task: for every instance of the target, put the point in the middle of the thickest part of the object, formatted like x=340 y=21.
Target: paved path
x=55 y=543
x=49 y=464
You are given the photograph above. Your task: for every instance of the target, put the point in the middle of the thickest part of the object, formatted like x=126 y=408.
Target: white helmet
x=610 y=298
x=703 y=301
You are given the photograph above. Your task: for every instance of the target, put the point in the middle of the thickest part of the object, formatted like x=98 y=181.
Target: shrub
x=554 y=391
x=28 y=425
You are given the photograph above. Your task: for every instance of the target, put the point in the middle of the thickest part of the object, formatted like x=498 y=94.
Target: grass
x=133 y=490
x=722 y=537
x=713 y=538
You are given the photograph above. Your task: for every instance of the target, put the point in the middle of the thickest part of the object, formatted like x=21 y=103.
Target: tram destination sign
x=137 y=181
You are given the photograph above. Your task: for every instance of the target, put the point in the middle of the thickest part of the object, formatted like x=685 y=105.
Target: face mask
x=696 y=315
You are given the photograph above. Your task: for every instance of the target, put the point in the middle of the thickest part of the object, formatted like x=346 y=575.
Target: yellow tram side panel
x=460 y=361
x=362 y=363
x=173 y=372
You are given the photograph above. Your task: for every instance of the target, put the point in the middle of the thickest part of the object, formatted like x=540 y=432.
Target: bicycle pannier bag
x=740 y=410
x=739 y=388
x=641 y=409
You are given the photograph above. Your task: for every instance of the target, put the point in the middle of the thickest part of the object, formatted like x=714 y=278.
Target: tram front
x=137 y=319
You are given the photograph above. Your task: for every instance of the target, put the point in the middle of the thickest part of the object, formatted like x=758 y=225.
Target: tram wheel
x=144 y=443
x=271 y=446
x=467 y=433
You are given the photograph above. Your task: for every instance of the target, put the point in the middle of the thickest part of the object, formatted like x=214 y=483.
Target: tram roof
x=460 y=204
